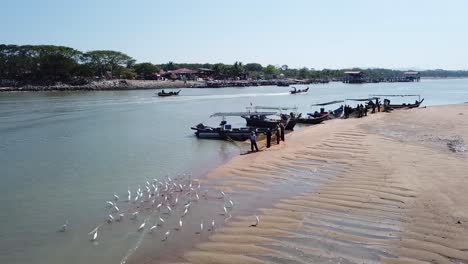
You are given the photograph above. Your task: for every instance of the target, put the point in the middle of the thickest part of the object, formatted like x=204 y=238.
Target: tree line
x=51 y=64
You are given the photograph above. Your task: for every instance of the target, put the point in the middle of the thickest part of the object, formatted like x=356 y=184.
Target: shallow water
x=63 y=154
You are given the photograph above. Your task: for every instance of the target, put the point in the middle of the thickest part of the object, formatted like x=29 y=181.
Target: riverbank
x=386 y=188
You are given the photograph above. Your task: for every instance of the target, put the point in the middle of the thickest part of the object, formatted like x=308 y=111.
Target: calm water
x=62 y=155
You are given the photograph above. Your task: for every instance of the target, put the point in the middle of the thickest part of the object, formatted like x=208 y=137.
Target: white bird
x=116 y=197
x=180 y=225
x=110 y=219
x=161 y=221
x=201 y=226
x=187 y=205
x=212 y=225
x=231 y=203
x=129 y=198
x=176 y=199
x=136 y=197
x=95 y=235
x=257 y=221
x=142 y=226
x=147 y=183
x=185 y=212
x=225 y=211
x=223 y=195
x=196 y=195
x=169 y=210
x=158 y=206
x=120 y=217
x=116 y=208
x=180 y=186
x=63 y=228
x=152 y=228
x=134 y=215
x=109 y=204
x=166 y=235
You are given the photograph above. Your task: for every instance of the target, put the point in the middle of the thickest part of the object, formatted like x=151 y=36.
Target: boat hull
x=312 y=121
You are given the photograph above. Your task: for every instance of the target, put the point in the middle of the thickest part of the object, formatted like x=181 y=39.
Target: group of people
x=362 y=110
x=279 y=134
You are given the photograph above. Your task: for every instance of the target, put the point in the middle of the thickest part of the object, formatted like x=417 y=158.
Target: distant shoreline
x=126 y=85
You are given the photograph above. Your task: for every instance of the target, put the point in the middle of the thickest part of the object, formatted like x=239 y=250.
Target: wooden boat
x=260 y=121
x=313 y=120
x=400 y=106
x=164 y=94
x=299 y=91
x=223 y=132
x=289 y=121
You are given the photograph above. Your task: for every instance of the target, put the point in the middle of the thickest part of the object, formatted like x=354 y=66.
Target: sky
x=299 y=33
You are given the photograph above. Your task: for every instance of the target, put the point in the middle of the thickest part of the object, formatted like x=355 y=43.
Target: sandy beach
x=386 y=188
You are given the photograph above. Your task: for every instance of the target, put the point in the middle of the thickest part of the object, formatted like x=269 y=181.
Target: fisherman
x=281 y=126
x=268 y=138
x=163 y=91
x=365 y=110
x=253 y=141
x=277 y=136
x=377 y=102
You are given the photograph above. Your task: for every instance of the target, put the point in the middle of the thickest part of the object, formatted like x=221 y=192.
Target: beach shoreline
x=385 y=188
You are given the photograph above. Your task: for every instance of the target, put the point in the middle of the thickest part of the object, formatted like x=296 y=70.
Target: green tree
x=253 y=67
x=106 y=61
x=270 y=71
x=146 y=69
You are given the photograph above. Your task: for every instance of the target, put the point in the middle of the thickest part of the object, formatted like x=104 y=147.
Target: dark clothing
x=278 y=136
x=252 y=145
x=268 y=138
x=253 y=142
x=281 y=126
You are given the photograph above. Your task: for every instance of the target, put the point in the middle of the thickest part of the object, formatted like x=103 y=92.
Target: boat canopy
x=329 y=103
x=397 y=95
x=362 y=99
x=276 y=107
x=243 y=114
x=394 y=95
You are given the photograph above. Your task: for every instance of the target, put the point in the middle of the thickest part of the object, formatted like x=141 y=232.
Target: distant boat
x=299 y=91
x=164 y=94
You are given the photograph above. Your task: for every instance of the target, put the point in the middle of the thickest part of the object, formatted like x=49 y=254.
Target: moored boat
x=311 y=120
x=223 y=132
x=400 y=106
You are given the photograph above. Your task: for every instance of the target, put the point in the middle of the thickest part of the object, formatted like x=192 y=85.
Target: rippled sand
x=386 y=188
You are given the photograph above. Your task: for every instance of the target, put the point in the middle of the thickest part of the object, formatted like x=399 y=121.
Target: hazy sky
x=315 y=34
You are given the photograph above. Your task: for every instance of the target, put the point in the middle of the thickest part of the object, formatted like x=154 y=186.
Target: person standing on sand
x=253 y=141
x=268 y=138
x=277 y=136
x=281 y=126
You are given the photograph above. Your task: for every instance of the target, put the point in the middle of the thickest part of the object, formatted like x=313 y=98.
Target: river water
x=63 y=154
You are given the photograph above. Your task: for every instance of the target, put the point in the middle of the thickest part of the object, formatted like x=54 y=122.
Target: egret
x=180 y=225
x=63 y=228
x=94 y=237
x=212 y=225
x=134 y=215
x=180 y=186
x=185 y=212
x=257 y=221
x=231 y=203
x=225 y=211
x=161 y=221
x=116 y=197
x=142 y=226
x=110 y=219
x=109 y=204
x=201 y=226
x=116 y=208
x=169 y=210
x=152 y=228
x=120 y=217
x=158 y=206
x=166 y=235
x=176 y=199
x=196 y=195
x=187 y=205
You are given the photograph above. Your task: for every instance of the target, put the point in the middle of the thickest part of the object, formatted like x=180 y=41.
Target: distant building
x=205 y=73
x=412 y=76
x=353 y=77
x=184 y=74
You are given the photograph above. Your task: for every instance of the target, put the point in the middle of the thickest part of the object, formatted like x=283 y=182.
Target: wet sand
x=386 y=188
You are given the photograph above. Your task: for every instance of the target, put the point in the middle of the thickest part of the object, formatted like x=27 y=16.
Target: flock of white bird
x=165 y=197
